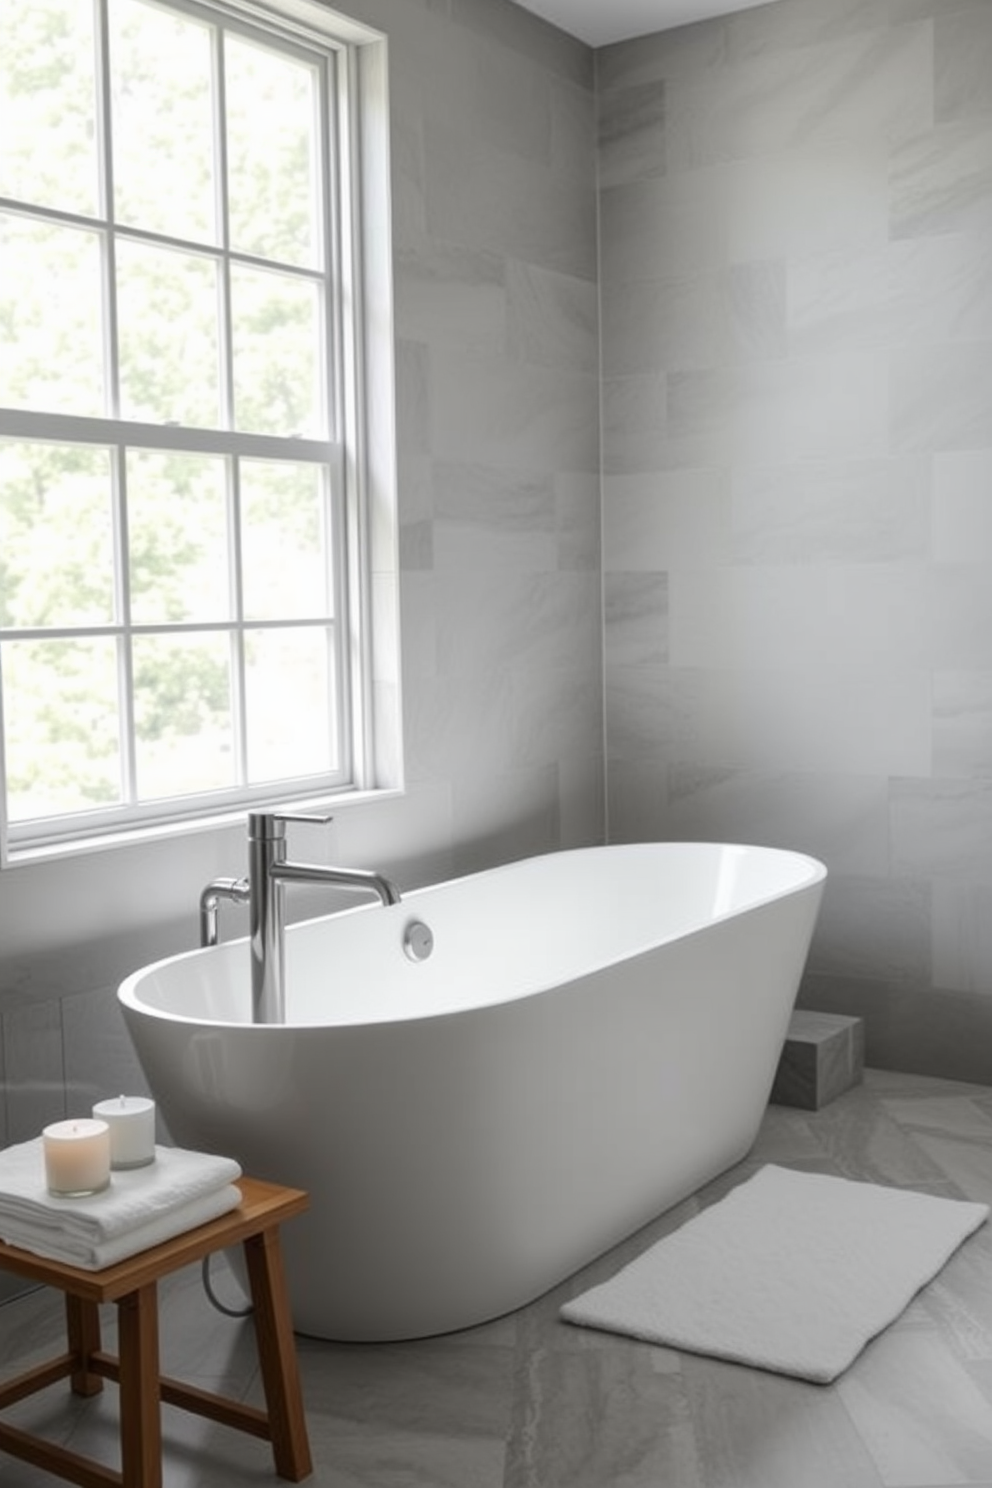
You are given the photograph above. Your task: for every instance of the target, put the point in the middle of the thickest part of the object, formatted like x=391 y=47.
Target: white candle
x=131 y=1119
x=77 y=1157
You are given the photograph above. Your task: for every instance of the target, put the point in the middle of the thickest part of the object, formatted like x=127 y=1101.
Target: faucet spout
x=268 y=874
x=342 y=878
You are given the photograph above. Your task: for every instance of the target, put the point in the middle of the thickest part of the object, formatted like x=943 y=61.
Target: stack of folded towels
x=142 y=1206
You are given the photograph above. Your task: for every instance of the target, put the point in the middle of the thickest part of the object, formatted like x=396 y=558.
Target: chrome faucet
x=268 y=871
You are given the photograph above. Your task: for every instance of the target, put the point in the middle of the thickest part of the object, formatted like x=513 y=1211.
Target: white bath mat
x=792 y=1271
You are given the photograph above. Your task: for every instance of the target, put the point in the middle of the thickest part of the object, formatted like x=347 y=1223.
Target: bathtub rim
x=814 y=872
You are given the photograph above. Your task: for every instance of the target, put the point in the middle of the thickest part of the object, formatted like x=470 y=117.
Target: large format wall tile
x=797 y=455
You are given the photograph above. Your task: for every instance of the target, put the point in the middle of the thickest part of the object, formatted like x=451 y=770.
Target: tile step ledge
x=823 y=1055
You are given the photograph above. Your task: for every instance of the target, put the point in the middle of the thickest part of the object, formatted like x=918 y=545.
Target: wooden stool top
x=262 y=1206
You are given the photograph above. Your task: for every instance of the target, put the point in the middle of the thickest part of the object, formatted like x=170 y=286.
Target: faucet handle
x=264 y=825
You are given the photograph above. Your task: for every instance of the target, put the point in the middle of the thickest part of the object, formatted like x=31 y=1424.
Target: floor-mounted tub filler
x=490 y=1083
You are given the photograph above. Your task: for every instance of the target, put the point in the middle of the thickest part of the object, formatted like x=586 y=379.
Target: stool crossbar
x=132 y=1285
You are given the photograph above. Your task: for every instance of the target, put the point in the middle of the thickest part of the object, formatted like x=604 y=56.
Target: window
x=183 y=586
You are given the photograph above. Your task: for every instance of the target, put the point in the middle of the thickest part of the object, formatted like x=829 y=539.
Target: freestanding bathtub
x=594 y=1037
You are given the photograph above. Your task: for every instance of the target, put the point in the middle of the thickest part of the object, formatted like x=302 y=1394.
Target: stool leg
x=277 y=1355
x=82 y=1327
x=141 y=1423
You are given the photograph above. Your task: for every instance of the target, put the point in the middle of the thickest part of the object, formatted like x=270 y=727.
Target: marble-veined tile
x=99 y=1058
x=513 y=26
x=636 y=618
x=959 y=613
x=962 y=40
x=35 y=1069
x=578 y=519
x=841 y=818
x=631 y=133
x=651 y=325
x=781 y=99
x=942 y=828
x=861 y=720
x=395 y=1459
x=953 y=1115
x=501 y=413
x=490 y=619
x=864 y=1142
x=863 y=511
x=941 y=396
x=856 y=617
x=767 y=29
x=660 y=55
x=451 y=295
x=501 y=97
x=635 y=424
x=506 y=815
x=808 y=408
x=962 y=723
x=941 y=180
x=582 y=1420
x=674 y=225
x=755 y=298
x=666 y=519
x=646 y=715
x=448 y=719
x=962 y=513
x=479 y=196
x=554 y=715
x=962 y=936
x=552 y=318
x=874 y=927
x=573 y=128
x=697 y=320
x=810 y=200
x=485 y=518
x=636 y=800
x=966 y=1162
x=920 y=1414
x=413 y=417
x=753 y=1428
x=582 y=794
x=914 y=292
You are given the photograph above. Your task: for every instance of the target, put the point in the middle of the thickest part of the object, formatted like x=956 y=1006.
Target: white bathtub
x=593 y=1038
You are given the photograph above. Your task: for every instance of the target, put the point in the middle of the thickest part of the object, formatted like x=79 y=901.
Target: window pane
x=283 y=541
x=287 y=686
x=60 y=717
x=182 y=714
x=271 y=154
x=167 y=309
x=47 y=109
x=51 y=297
x=162 y=72
x=177 y=536
x=277 y=353
x=56 y=535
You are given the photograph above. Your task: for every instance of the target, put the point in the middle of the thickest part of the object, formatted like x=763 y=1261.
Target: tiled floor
x=529 y=1402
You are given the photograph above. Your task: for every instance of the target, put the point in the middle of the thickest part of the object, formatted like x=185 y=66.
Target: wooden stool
x=132 y=1284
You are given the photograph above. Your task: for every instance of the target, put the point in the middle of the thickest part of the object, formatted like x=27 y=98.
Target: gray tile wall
x=494 y=248
x=797 y=349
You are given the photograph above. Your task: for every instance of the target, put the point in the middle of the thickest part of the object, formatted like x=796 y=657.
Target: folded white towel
x=136 y=1196
x=93 y=1255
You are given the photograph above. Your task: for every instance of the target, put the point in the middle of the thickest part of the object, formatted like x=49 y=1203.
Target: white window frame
x=363 y=454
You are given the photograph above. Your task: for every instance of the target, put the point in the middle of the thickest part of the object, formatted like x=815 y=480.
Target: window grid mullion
x=125 y=653
x=239 y=708
x=105 y=115
x=226 y=337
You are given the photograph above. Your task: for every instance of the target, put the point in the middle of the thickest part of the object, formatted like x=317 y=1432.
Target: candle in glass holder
x=131 y=1119
x=77 y=1157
